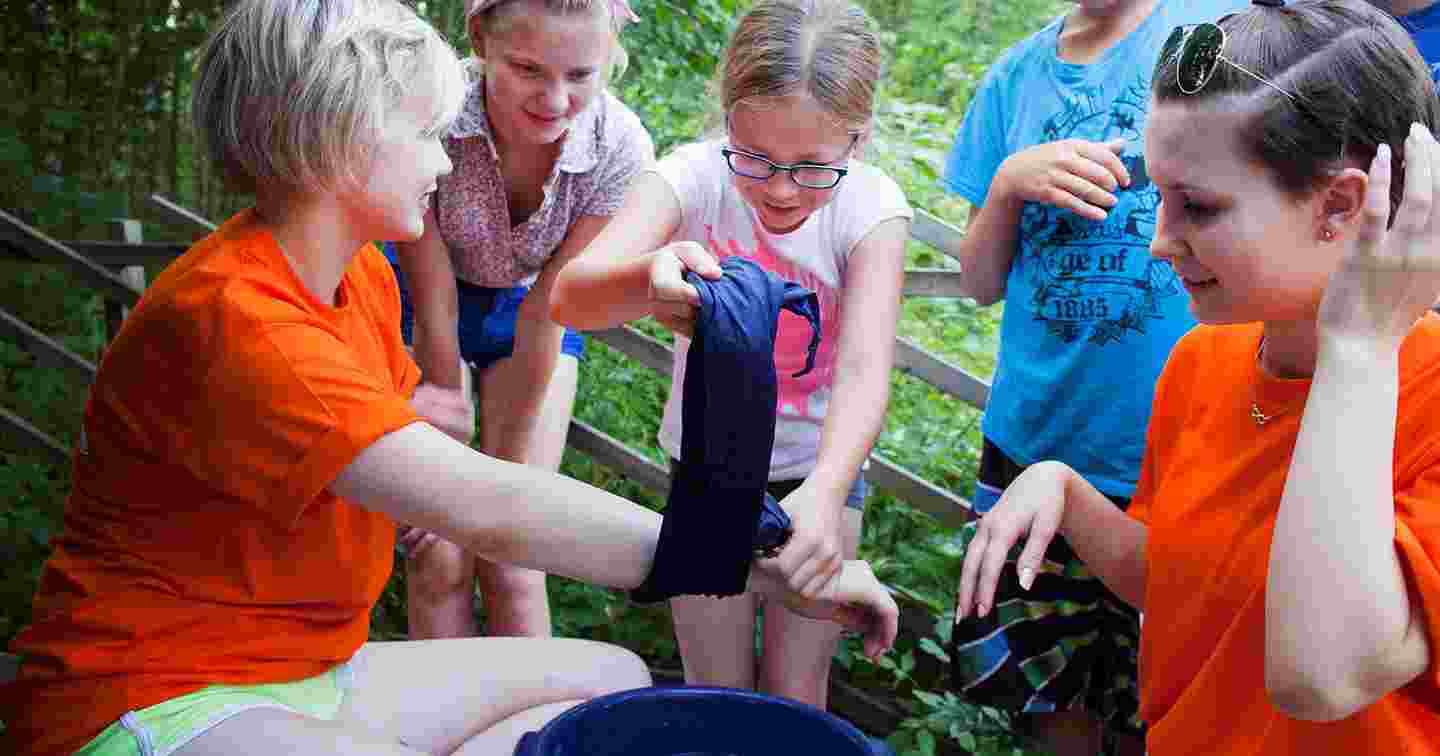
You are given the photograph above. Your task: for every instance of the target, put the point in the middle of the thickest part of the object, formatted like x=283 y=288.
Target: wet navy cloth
x=717 y=493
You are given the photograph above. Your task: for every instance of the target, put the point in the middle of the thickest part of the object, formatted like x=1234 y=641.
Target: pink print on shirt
x=792 y=338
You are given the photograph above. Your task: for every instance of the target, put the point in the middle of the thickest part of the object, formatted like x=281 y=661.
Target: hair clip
x=1269 y=3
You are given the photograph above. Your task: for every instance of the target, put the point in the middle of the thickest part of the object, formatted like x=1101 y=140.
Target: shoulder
x=1024 y=55
x=619 y=133
x=868 y=191
x=1204 y=347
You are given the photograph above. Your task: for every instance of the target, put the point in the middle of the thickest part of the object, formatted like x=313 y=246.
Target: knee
x=441 y=570
x=615 y=669
x=514 y=584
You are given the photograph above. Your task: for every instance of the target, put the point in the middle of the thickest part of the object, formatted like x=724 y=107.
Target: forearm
x=430 y=280
x=1339 y=630
x=602 y=291
x=857 y=414
x=537 y=348
x=988 y=247
x=1109 y=542
x=503 y=511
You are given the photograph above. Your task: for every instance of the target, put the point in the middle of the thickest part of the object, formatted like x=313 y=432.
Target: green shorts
x=164 y=728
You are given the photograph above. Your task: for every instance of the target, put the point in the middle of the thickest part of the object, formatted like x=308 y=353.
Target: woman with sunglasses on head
x=543 y=155
x=783 y=187
x=1062 y=211
x=1284 y=541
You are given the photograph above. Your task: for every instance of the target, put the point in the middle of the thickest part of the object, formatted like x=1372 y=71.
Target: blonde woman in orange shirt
x=1284 y=541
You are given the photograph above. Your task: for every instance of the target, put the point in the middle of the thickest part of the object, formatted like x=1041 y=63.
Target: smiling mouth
x=1199 y=283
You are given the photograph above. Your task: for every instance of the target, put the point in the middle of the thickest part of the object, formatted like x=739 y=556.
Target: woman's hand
x=1392 y=276
x=675 y=302
x=1031 y=507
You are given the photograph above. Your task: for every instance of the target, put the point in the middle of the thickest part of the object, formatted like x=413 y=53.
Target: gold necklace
x=1259 y=417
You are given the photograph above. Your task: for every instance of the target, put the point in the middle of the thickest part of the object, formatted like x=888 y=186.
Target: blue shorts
x=487 y=319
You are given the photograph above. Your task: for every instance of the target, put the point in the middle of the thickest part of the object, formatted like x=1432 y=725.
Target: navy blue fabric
x=717 y=493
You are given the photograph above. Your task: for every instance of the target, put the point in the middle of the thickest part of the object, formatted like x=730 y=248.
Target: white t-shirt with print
x=813 y=255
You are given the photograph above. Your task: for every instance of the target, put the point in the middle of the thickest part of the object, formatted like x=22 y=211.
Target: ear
x=1341 y=201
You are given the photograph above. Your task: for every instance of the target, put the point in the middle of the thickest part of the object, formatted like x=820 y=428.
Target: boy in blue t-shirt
x=1050 y=157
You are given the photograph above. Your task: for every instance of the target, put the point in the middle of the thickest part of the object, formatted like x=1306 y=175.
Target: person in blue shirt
x=1422 y=19
x=1050 y=158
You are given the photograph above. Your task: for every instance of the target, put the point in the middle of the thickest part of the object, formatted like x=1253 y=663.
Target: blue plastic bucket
x=696 y=721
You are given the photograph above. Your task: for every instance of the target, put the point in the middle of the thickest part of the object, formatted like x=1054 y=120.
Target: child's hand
x=676 y=302
x=855 y=599
x=1392 y=276
x=448 y=409
x=812 y=557
x=1071 y=174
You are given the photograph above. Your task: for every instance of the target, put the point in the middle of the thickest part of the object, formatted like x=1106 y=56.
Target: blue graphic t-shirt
x=1090 y=316
x=1424 y=28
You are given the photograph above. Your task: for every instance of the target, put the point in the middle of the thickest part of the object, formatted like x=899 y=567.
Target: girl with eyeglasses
x=1284 y=540
x=784 y=187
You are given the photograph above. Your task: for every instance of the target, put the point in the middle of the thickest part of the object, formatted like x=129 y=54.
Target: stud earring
x=1327 y=235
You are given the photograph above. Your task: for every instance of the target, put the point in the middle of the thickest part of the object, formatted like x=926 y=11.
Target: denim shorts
x=487 y=319
x=168 y=726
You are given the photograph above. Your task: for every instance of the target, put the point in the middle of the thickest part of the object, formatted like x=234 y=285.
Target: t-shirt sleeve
x=288 y=405
x=633 y=151
x=692 y=172
x=874 y=199
x=981 y=145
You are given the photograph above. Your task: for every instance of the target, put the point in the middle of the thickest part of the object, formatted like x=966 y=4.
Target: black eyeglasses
x=808 y=175
x=1200 y=50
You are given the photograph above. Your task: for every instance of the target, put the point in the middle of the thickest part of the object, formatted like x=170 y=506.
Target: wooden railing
x=113 y=268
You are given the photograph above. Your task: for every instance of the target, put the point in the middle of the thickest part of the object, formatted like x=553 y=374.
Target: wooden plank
x=933 y=282
x=32 y=438
x=937 y=233
x=47 y=351
x=42 y=247
x=181 y=215
x=617 y=456
x=913 y=359
x=124 y=231
x=951 y=510
x=112 y=255
x=650 y=352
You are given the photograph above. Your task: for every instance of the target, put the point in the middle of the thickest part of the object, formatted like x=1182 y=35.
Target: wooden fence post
x=125 y=231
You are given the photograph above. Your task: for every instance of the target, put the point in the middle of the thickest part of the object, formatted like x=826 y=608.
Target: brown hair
x=494 y=19
x=828 y=49
x=1356 y=77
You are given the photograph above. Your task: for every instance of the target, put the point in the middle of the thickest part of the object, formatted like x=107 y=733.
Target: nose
x=1165 y=245
x=555 y=99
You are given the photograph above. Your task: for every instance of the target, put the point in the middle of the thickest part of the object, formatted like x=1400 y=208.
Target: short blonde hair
x=827 y=49
x=294 y=93
x=494 y=19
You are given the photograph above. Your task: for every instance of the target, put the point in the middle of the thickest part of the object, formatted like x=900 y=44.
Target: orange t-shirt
x=200 y=542
x=1210 y=490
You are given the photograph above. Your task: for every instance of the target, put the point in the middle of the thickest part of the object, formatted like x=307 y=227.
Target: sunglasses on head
x=1198 y=50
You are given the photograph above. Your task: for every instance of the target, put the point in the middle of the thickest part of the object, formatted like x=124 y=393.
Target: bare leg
x=440 y=592
x=437 y=696
x=515 y=599
x=798 y=650
x=1067 y=733
x=717 y=639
